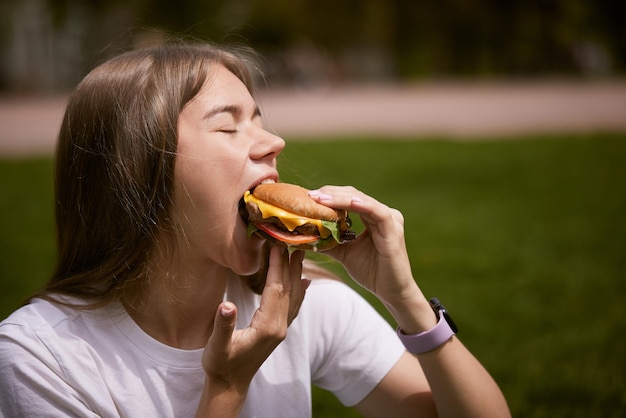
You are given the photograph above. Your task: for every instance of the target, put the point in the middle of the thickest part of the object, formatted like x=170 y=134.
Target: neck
x=180 y=304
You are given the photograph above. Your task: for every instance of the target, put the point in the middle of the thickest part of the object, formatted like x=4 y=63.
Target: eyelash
x=228 y=131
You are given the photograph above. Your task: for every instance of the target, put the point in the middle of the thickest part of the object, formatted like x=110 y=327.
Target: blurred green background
x=49 y=44
x=523 y=240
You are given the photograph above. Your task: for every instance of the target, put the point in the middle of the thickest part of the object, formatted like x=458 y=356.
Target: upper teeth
x=267 y=181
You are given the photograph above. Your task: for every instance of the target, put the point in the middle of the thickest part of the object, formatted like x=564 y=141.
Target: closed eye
x=228 y=131
x=234 y=112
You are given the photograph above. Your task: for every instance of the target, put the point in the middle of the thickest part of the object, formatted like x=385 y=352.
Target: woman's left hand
x=377 y=259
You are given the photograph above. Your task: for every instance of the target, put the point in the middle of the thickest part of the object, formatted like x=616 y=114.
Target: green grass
x=26 y=221
x=523 y=240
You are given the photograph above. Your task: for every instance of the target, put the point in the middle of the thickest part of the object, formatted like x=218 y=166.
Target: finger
x=298 y=285
x=350 y=199
x=338 y=197
x=295 y=269
x=275 y=297
x=373 y=214
x=278 y=268
x=384 y=226
x=223 y=327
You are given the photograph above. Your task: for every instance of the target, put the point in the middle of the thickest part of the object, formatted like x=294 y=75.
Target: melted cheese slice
x=289 y=219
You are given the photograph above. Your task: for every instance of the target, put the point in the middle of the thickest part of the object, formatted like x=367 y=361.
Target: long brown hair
x=115 y=165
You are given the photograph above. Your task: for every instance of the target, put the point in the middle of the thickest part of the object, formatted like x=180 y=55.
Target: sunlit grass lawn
x=523 y=240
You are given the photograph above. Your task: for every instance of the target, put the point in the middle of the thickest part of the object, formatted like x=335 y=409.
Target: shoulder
x=41 y=352
x=29 y=320
x=32 y=329
x=43 y=316
x=46 y=331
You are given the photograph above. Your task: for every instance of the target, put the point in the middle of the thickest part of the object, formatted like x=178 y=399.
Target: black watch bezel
x=438 y=307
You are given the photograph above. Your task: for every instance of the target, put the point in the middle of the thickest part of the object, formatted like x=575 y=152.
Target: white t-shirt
x=56 y=361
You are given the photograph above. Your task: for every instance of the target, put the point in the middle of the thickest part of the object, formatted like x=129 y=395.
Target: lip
x=241 y=206
x=272 y=177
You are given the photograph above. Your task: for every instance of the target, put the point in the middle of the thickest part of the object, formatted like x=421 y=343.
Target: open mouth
x=243 y=212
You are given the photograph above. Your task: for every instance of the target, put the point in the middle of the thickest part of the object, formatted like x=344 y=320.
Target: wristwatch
x=429 y=340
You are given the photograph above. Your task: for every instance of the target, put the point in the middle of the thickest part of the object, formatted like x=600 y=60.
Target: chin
x=252 y=257
x=247 y=270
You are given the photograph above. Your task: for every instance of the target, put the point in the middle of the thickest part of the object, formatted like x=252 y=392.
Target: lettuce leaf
x=251 y=229
x=332 y=227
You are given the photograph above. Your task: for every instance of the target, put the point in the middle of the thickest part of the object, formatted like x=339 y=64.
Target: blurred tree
x=457 y=37
x=336 y=39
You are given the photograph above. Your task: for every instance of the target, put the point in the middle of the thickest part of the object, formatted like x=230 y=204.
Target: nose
x=267 y=145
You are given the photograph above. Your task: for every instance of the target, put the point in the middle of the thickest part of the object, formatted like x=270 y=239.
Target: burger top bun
x=296 y=199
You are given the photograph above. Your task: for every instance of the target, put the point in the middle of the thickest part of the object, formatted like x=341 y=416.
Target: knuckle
x=398 y=216
x=280 y=291
x=275 y=333
x=280 y=334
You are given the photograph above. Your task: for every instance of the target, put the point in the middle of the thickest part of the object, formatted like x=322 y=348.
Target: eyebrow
x=235 y=110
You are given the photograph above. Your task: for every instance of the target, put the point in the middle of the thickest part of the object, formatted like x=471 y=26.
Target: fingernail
x=356 y=199
x=319 y=195
x=227 y=309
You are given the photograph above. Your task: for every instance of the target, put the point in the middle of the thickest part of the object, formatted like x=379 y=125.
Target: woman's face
x=223 y=151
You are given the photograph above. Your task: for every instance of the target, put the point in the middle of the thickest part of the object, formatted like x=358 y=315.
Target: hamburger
x=285 y=212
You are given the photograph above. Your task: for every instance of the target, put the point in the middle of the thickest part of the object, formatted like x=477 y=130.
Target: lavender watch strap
x=427 y=340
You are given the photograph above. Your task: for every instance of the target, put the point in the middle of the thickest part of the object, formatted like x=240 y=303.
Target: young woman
x=149 y=312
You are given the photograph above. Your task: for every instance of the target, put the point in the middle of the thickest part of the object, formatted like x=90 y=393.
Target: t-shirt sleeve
x=31 y=381
x=353 y=347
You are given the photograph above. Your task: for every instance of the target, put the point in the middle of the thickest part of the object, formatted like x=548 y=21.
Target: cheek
x=206 y=206
x=200 y=210
x=196 y=206
x=202 y=181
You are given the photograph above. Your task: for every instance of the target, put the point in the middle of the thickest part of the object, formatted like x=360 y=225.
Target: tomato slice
x=294 y=239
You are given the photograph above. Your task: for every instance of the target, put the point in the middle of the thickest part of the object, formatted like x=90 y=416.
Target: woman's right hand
x=232 y=357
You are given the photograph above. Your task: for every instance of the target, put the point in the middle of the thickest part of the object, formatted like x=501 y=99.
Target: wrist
x=220 y=399
x=412 y=312
x=425 y=341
